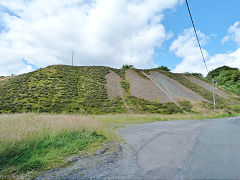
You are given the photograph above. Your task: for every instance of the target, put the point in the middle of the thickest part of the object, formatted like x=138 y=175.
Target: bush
x=186 y=106
x=235 y=108
x=127 y=66
x=164 y=68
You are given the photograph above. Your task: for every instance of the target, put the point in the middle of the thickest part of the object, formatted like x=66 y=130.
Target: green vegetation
x=198 y=75
x=38 y=153
x=127 y=66
x=186 y=106
x=31 y=143
x=232 y=105
x=68 y=89
x=126 y=86
x=164 y=68
x=221 y=103
x=59 y=89
x=139 y=105
x=227 y=78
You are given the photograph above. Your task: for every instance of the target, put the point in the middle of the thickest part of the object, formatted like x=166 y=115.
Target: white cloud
x=186 y=47
x=231 y=59
x=233 y=33
x=102 y=32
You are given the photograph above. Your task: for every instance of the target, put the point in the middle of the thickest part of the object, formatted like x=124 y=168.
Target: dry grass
x=38 y=142
x=16 y=127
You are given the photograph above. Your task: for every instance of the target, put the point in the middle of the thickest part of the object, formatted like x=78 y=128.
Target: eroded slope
x=207 y=86
x=114 y=88
x=144 y=88
x=174 y=89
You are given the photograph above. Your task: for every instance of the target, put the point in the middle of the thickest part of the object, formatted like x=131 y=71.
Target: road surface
x=183 y=149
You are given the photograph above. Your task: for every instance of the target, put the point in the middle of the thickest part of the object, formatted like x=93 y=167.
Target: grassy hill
x=58 y=89
x=82 y=89
x=228 y=78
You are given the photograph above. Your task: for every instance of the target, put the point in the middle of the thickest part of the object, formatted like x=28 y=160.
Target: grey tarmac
x=174 y=150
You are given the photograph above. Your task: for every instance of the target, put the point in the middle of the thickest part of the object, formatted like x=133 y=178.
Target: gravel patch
x=174 y=89
x=143 y=88
x=207 y=86
x=114 y=162
x=114 y=88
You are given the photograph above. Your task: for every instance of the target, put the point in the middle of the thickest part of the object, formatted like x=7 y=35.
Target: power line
x=214 y=101
x=197 y=37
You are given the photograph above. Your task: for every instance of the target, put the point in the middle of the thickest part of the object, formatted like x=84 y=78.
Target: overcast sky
x=144 y=33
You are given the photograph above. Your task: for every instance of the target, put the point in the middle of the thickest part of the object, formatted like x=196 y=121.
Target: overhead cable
x=197 y=37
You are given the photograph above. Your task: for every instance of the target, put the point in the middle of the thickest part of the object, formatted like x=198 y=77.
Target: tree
x=127 y=66
x=164 y=68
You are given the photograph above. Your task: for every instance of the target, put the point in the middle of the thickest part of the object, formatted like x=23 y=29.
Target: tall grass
x=33 y=143
x=16 y=127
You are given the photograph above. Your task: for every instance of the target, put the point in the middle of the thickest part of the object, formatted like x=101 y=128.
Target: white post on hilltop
x=72 y=57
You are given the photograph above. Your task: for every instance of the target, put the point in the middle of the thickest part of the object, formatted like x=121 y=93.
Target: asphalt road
x=183 y=149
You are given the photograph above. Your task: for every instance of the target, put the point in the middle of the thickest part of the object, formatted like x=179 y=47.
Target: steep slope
x=59 y=89
x=207 y=86
x=96 y=89
x=114 y=88
x=144 y=88
x=177 y=91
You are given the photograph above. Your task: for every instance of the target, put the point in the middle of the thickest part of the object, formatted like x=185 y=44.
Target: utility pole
x=72 y=57
x=214 y=100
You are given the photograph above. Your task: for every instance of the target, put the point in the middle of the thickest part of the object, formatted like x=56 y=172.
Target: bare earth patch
x=143 y=88
x=175 y=90
x=114 y=88
x=4 y=78
x=207 y=86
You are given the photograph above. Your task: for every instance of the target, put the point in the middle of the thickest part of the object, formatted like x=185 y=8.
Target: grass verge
x=32 y=143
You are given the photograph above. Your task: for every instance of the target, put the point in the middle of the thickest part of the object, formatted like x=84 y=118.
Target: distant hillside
x=97 y=89
x=227 y=78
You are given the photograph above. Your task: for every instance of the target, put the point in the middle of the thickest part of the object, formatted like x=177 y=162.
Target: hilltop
x=98 y=89
x=227 y=78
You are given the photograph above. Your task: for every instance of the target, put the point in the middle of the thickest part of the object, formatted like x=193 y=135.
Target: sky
x=144 y=33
